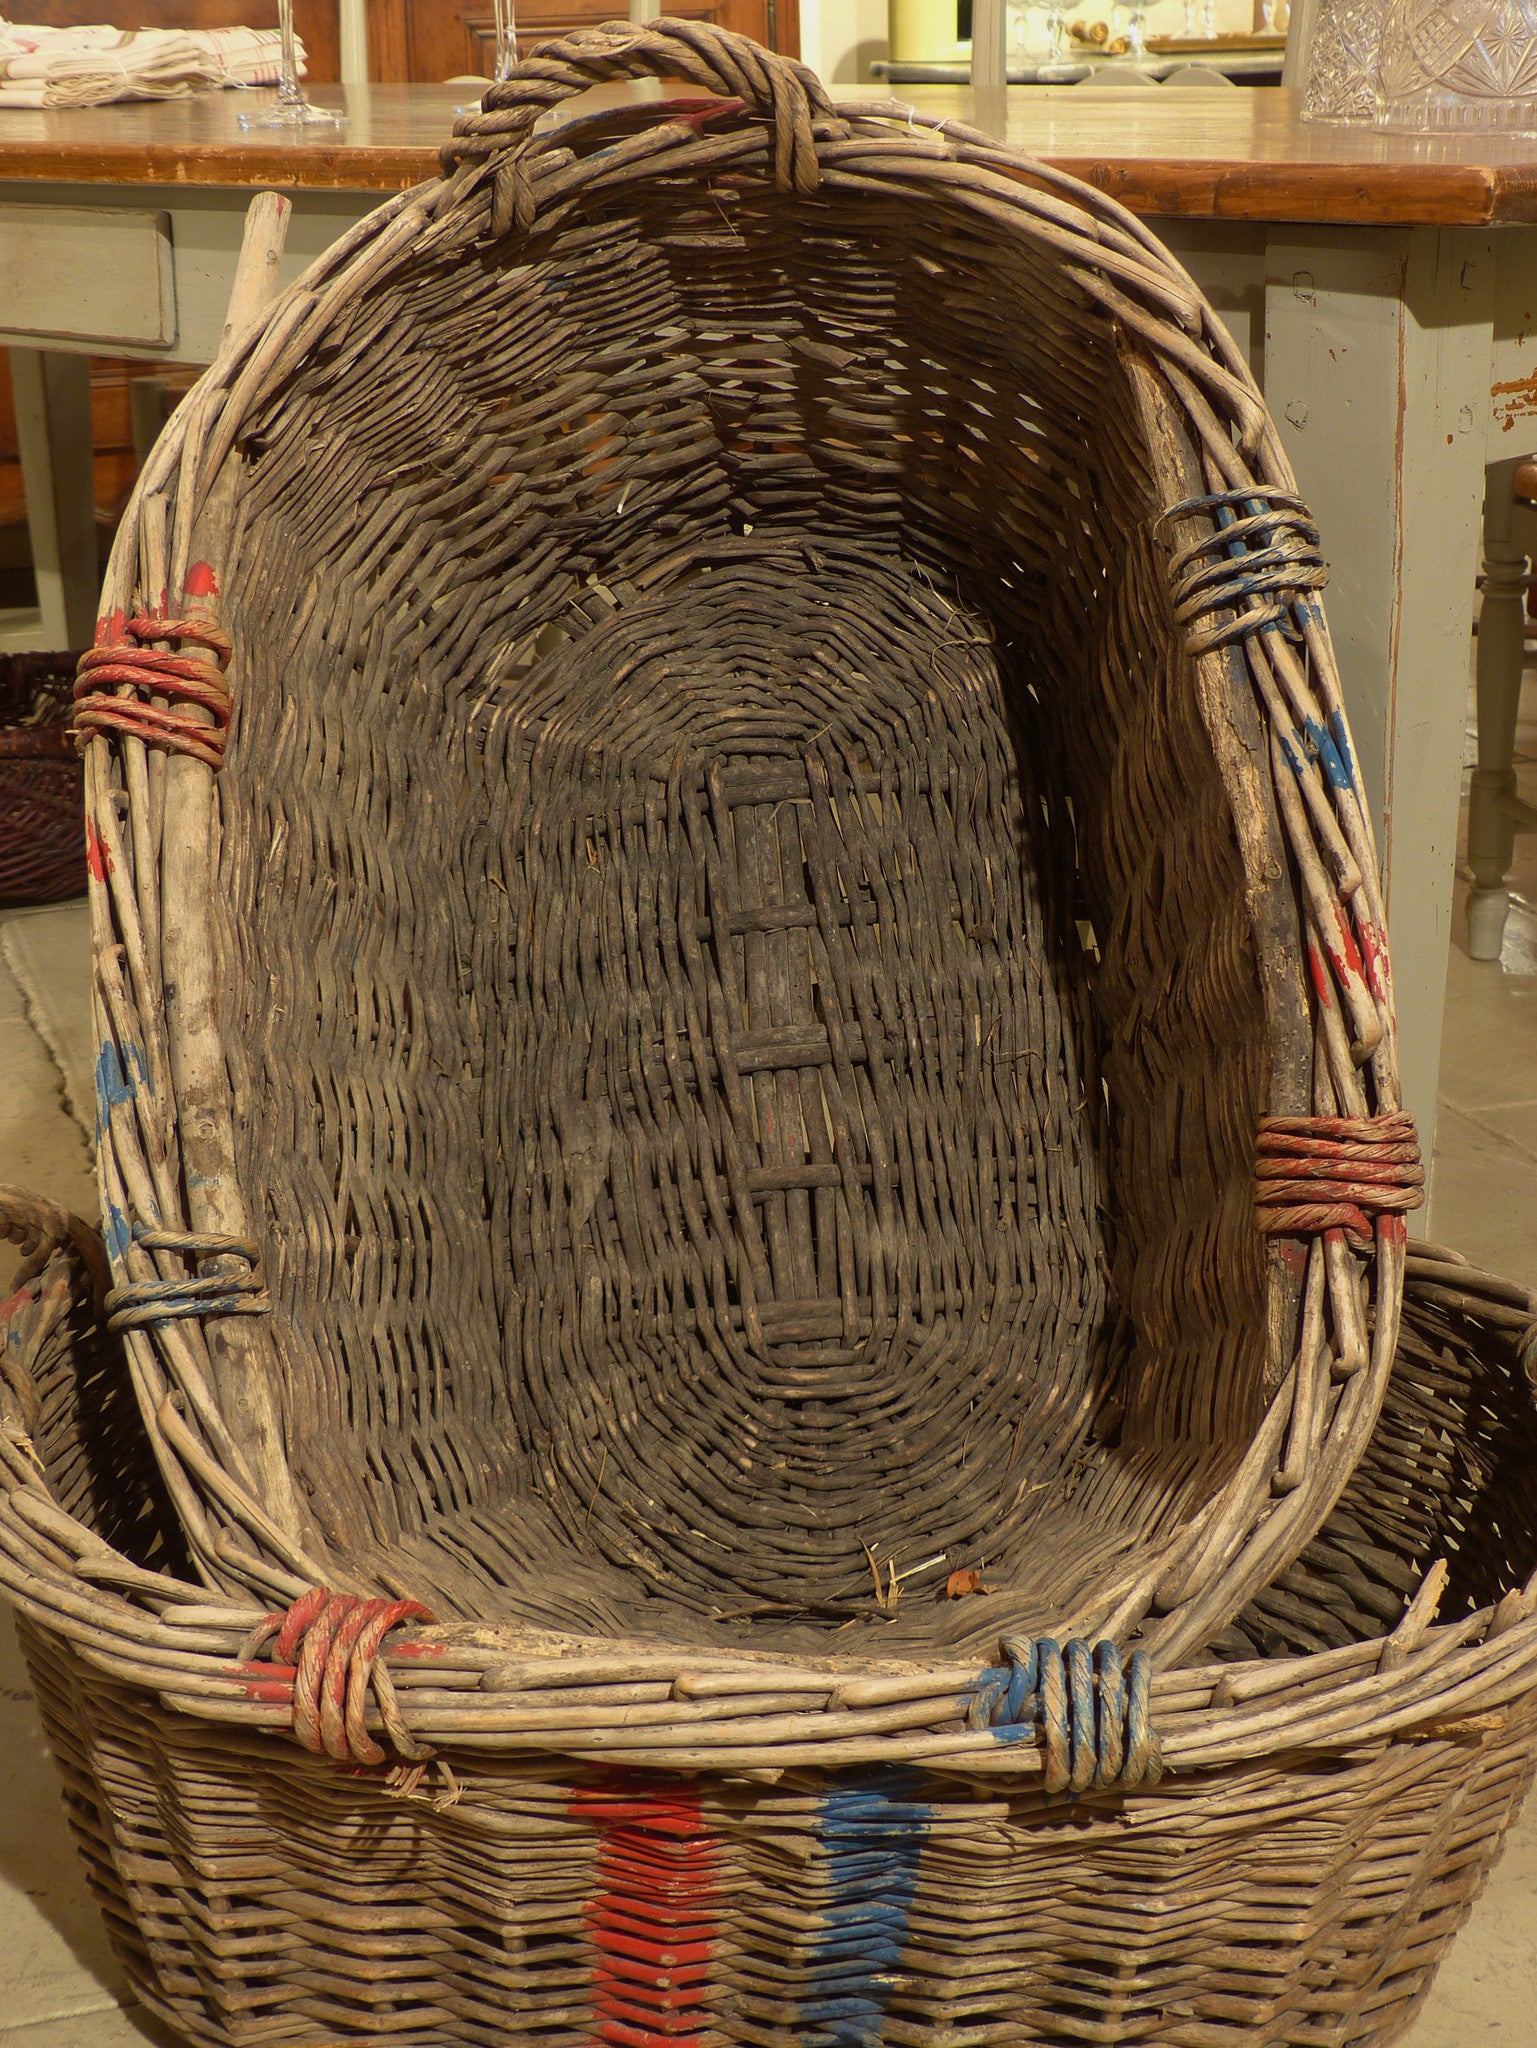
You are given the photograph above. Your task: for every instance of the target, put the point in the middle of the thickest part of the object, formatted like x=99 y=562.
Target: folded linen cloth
x=87 y=67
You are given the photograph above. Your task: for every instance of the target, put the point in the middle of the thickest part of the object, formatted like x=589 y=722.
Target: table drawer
x=96 y=274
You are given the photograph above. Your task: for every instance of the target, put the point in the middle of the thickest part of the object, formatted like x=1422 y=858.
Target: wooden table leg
x=1377 y=359
x=53 y=432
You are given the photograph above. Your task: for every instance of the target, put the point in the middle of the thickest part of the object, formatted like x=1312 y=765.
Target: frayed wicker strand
x=186 y=679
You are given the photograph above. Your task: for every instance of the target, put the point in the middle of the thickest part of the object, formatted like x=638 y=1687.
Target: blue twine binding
x=1223 y=570
x=140 y=1304
x=1088 y=1709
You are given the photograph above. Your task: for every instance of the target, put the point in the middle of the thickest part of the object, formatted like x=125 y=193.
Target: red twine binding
x=1318 y=1173
x=184 y=678
x=326 y=1657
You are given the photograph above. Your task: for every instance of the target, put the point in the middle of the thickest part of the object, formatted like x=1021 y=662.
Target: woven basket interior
x=1447 y=1474
x=738 y=973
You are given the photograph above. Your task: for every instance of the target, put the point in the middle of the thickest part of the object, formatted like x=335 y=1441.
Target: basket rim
x=463 y=1686
x=175 y=523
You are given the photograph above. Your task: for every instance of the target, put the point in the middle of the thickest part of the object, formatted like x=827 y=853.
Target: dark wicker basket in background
x=42 y=815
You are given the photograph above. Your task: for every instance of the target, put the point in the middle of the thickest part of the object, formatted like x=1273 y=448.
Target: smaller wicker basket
x=42 y=784
x=1337 y=1772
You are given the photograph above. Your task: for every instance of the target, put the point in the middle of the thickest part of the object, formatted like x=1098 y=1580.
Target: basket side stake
x=256 y=267
x=239 y=1349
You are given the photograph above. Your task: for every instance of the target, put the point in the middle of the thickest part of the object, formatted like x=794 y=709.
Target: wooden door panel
x=417 y=41
x=426 y=40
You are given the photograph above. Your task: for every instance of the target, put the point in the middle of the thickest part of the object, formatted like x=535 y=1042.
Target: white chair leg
x=1501 y=652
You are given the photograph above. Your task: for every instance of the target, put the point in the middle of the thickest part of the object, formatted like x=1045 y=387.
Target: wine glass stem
x=506 y=37
x=289 y=94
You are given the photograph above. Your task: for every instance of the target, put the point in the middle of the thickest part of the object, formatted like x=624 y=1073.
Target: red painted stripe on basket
x=110 y=628
x=271 y=1692
x=1322 y=985
x=652 y=1920
x=1374 y=954
x=201 y=581
x=97 y=858
x=1341 y=948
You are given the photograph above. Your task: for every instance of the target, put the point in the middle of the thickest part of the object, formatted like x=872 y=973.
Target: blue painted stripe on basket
x=113 y=1088
x=1339 y=732
x=118 y=1079
x=117 y=1233
x=872 y=1832
x=1328 y=755
x=1019 y=1731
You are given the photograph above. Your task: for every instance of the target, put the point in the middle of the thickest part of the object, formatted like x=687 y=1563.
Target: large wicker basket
x=724 y=822
x=1339 y=1771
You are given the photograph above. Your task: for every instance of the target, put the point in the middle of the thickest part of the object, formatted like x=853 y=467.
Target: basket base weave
x=789 y=1182
x=42 y=815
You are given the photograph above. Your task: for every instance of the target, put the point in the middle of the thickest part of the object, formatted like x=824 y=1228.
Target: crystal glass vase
x=1450 y=64
x=1343 y=59
x=506 y=17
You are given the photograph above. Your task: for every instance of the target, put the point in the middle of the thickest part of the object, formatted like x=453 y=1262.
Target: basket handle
x=778 y=90
x=42 y=1227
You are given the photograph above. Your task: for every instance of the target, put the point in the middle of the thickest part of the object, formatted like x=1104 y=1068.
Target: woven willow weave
x=1338 y=1787
x=722 y=808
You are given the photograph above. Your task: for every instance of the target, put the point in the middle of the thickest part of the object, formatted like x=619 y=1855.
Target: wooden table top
x=1195 y=153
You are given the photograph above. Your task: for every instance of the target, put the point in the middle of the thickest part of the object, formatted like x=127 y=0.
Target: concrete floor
x=59 y=1987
